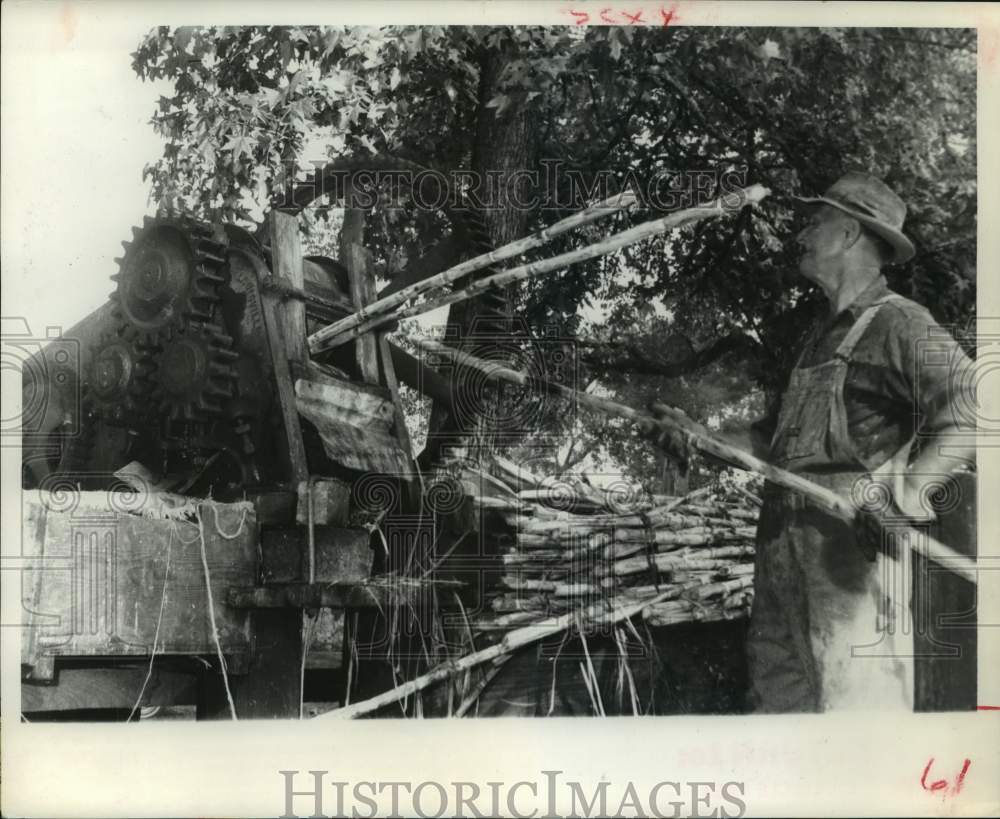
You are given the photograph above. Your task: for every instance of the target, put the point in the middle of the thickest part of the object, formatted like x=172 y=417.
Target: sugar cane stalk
x=727 y=204
x=827 y=499
x=333 y=334
x=511 y=641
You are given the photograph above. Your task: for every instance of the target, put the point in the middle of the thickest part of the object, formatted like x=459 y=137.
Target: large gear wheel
x=119 y=380
x=169 y=276
x=196 y=373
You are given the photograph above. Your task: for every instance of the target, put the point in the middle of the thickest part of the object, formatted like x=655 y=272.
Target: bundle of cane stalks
x=579 y=548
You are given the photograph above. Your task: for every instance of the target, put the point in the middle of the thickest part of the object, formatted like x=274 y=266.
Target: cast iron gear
x=196 y=373
x=119 y=382
x=169 y=275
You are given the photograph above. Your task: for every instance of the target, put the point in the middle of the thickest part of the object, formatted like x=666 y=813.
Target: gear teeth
x=217 y=391
x=200 y=393
x=123 y=400
x=202 y=290
x=211 y=250
x=193 y=272
x=212 y=276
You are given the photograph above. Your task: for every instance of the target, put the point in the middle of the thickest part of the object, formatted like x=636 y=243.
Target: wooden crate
x=109 y=574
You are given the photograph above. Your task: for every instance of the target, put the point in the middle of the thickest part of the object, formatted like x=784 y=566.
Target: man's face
x=821 y=241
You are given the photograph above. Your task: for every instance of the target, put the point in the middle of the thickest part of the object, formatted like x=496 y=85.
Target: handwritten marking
x=942 y=784
x=961 y=776
x=606 y=15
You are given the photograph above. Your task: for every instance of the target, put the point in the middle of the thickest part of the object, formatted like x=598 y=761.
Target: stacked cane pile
x=578 y=548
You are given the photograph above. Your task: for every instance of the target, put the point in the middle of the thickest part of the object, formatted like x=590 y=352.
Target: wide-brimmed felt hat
x=873 y=203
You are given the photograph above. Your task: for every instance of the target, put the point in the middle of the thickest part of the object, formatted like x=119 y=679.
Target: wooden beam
x=270 y=687
x=274 y=314
x=286 y=266
x=354 y=257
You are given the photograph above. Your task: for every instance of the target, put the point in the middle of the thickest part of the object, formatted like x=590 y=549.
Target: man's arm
x=951 y=447
x=941 y=379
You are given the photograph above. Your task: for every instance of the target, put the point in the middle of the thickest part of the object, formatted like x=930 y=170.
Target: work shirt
x=906 y=375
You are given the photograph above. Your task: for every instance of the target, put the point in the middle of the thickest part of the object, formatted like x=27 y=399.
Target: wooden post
x=286 y=266
x=354 y=257
x=270 y=688
x=275 y=316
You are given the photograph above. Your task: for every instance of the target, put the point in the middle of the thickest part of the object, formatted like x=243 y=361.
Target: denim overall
x=827 y=626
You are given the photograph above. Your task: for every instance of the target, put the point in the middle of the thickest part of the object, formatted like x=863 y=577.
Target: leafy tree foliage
x=708 y=317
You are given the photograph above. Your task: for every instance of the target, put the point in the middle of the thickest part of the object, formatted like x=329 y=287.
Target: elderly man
x=825 y=630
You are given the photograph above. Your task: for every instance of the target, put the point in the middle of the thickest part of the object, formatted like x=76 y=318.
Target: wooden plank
x=273 y=316
x=354 y=257
x=359 y=405
x=355 y=426
x=286 y=264
x=85 y=688
x=342 y=555
x=331 y=502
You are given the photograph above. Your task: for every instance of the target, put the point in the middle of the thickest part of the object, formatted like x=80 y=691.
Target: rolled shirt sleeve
x=925 y=365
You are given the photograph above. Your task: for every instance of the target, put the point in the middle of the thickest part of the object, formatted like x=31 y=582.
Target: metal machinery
x=176 y=371
x=185 y=371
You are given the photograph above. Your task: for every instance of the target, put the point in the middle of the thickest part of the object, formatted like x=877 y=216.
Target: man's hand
x=667 y=436
x=870 y=533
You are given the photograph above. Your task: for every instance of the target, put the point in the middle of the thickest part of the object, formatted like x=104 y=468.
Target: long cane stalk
x=827 y=499
x=730 y=203
x=511 y=641
x=331 y=335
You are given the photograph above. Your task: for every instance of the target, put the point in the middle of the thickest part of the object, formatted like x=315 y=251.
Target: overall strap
x=858 y=329
x=838 y=421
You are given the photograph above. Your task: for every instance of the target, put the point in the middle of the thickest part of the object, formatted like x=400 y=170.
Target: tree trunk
x=503 y=145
